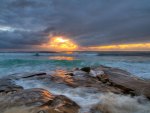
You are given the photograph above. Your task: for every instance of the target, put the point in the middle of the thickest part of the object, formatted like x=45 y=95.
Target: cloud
x=25 y=23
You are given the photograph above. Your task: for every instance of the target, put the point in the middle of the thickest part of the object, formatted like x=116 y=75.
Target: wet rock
x=69 y=74
x=33 y=75
x=101 y=79
x=105 y=79
x=7 y=86
x=86 y=69
x=63 y=104
x=39 y=100
x=80 y=79
x=128 y=83
x=113 y=80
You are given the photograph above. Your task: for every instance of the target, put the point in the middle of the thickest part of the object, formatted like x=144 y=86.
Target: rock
x=33 y=75
x=86 y=69
x=70 y=74
x=63 y=104
x=101 y=79
x=105 y=79
x=80 y=79
x=115 y=80
x=7 y=86
x=40 y=101
x=126 y=82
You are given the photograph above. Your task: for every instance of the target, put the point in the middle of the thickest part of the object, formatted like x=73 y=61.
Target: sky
x=90 y=24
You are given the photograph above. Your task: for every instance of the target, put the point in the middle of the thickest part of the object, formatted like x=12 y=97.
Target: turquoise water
x=11 y=63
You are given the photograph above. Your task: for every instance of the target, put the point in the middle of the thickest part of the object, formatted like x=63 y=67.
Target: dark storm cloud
x=25 y=23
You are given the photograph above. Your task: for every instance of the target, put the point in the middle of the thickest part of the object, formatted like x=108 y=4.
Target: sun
x=60 y=43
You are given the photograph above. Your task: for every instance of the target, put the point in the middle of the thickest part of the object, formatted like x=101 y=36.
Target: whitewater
x=11 y=63
x=87 y=98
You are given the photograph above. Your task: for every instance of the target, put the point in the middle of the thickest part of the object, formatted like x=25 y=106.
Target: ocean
x=134 y=62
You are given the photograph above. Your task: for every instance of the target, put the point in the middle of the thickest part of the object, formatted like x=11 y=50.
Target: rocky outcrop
x=114 y=79
x=7 y=86
x=128 y=83
x=105 y=79
x=102 y=79
x=40 y=100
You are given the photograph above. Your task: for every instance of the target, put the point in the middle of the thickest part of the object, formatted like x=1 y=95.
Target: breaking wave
x=28 y=62
x=113 y=103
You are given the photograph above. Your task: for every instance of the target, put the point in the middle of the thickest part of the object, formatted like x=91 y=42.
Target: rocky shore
x=39 y=100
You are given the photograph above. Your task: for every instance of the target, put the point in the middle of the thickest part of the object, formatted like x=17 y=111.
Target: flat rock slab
x=126 y=81
x=40 y=100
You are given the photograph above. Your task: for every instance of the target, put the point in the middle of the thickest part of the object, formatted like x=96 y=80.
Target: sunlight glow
x=60 y=43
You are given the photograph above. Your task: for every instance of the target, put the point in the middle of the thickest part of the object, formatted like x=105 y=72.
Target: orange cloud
x=61 y=43
x=137 y=46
